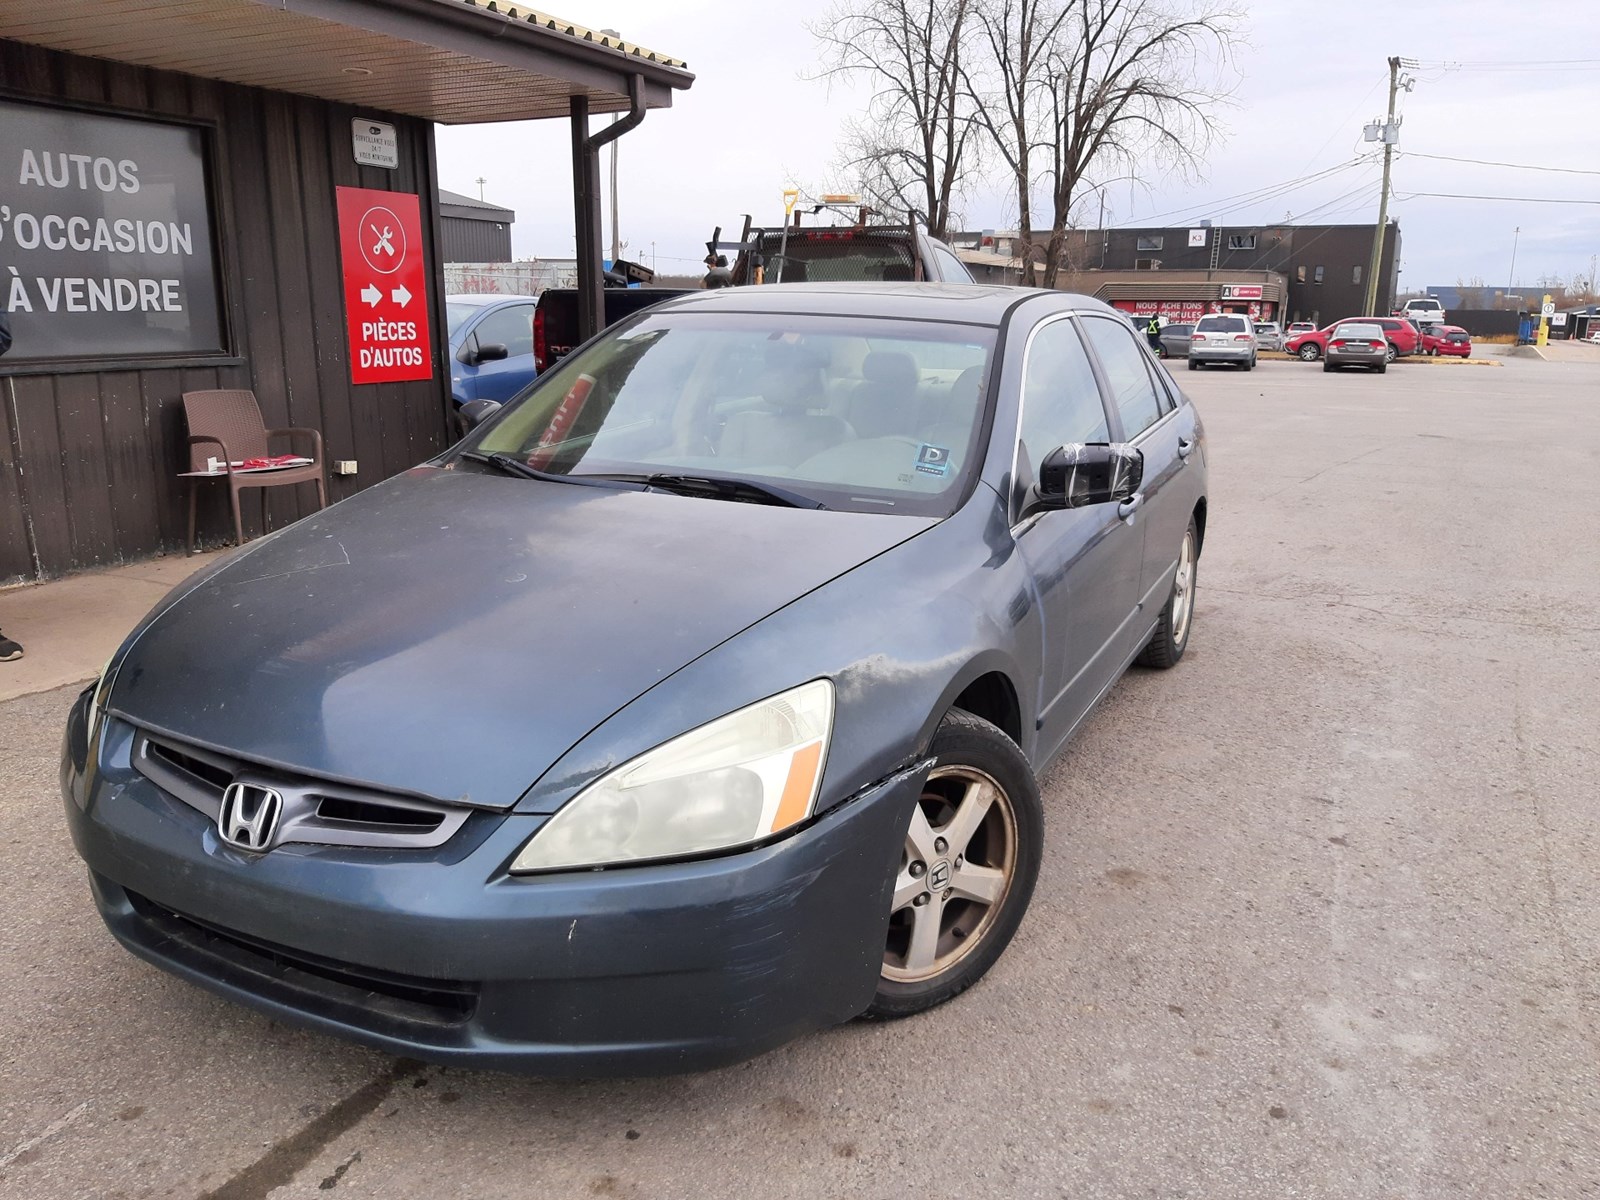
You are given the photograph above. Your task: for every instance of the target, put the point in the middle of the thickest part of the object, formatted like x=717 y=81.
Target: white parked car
x=1269 y=335
x=1423 y=310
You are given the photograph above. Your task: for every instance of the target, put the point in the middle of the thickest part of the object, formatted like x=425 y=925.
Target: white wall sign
x=1559 y=320
x=1197 y=237
x=375 y=142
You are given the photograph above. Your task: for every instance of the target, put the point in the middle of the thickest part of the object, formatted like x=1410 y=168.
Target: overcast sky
x=1309 y=77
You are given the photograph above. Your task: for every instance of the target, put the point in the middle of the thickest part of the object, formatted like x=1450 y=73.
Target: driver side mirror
x=476 y=412
x=1083 y=473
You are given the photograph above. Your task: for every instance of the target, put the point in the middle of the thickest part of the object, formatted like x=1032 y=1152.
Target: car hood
x=451 y=634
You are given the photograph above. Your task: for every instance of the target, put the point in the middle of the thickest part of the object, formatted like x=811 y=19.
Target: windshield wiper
x=512 y=465
x=718 y=487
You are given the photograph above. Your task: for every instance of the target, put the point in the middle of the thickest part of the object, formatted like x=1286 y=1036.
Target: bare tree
x=1009 y=87
x=1131 y=81
x=913 y=148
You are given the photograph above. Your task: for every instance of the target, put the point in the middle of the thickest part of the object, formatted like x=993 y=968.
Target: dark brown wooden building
x=169 y=223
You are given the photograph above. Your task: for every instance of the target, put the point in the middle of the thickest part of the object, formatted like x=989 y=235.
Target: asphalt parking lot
x=1317 y=916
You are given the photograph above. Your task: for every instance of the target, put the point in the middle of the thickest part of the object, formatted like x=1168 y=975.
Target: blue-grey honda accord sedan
x=694 y=701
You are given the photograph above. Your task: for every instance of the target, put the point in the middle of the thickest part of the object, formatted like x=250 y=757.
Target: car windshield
x=1359 y=332
x=853 y=413
x=1221 y=325
x=456 y=313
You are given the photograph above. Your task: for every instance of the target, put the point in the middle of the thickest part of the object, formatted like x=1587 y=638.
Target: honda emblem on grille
x=250 y=815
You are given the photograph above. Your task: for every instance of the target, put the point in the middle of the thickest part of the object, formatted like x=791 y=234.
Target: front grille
x=302 y=979
x=315 y=812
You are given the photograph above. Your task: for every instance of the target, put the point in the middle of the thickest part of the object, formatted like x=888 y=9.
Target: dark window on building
x=1241 y=241
x=1355 y=273
x=1316 y=276
x=1147 y=264
x=1151 y=243
x=109 y=248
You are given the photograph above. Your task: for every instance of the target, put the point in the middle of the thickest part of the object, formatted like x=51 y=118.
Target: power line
x=1483 y=162
x=1513 y=199
x=1256 y=195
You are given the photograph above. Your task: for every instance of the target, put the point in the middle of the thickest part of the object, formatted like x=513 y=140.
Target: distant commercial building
x=473 y=231
x=1275 y=272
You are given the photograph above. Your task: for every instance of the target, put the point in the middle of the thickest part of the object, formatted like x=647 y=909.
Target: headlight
x=97 y=701
x=737 y=780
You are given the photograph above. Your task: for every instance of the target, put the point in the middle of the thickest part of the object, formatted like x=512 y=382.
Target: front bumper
x=441 y=955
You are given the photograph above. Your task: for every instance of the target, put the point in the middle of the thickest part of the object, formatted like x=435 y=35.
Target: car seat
x=885 y=401
x=787 y=430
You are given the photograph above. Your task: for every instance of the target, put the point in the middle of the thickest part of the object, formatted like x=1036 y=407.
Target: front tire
x=1171 y=637
x=967 y=870
x=1390 y=354
x=1309 y=353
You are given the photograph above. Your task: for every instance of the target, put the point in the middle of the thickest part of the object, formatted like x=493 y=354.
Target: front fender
x=900 y=636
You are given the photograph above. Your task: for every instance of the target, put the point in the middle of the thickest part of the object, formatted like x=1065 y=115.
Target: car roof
x=971 y=303
x=483 y=299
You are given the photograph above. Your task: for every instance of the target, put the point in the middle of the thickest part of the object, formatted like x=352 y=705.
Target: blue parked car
x=694 y=701
x=491 y=347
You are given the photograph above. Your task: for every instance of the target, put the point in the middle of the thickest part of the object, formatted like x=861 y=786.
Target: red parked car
x=1403 y=337
x=1447 y=339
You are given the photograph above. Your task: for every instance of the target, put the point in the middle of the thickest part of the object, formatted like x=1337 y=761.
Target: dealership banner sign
x=385 y=285
x=105 y=236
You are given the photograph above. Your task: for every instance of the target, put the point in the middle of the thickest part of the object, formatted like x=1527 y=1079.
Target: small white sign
x=1549 y=309
x=1559 y=320
x=375 y=143
x=1197 y=237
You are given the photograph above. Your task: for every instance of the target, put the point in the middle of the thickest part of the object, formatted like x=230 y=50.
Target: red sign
x=385 y=286
x=1241 y=291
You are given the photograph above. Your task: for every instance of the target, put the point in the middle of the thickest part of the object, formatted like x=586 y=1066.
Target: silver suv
x=1223 y=338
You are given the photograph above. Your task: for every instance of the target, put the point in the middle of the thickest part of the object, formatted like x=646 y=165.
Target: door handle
x=1130 y=506
x=1185 y=447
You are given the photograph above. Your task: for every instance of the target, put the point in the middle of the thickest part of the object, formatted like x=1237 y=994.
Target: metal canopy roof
x=452 y=61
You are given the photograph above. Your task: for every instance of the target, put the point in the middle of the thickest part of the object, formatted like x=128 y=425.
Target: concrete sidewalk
x=69 y=627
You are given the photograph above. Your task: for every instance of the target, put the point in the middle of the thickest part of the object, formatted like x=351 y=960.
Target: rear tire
x=1193 y=366
x=967 y=871
x=1382 y=369
x=1171 y=637
x=1326 y=367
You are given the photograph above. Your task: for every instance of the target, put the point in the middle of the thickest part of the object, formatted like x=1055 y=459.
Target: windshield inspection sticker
x=933 y=460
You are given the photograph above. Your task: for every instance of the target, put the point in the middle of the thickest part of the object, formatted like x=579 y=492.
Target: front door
x=1086 y=562
x=1165 y=433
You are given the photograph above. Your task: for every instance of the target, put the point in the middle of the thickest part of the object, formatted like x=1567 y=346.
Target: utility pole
x=480 y=181
x=1390 y=135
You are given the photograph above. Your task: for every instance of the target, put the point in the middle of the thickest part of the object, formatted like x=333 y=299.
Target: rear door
x=1085 y=562
x=1148 y=409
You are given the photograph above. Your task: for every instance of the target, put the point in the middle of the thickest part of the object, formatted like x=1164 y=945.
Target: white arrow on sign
x=371 y=295
x=400 y=296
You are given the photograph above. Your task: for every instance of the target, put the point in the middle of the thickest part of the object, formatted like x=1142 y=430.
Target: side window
x=1132 y=389
x=1060 y=398
x=511 y=326
x=951 y=268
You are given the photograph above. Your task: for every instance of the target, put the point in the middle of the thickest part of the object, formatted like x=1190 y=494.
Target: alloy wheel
x=1183 y=591
x=958 y=863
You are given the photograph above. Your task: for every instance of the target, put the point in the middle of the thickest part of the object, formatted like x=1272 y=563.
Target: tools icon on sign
x=382 y=238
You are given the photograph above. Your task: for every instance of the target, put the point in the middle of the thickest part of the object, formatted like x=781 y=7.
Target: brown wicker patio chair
x=227 y=424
